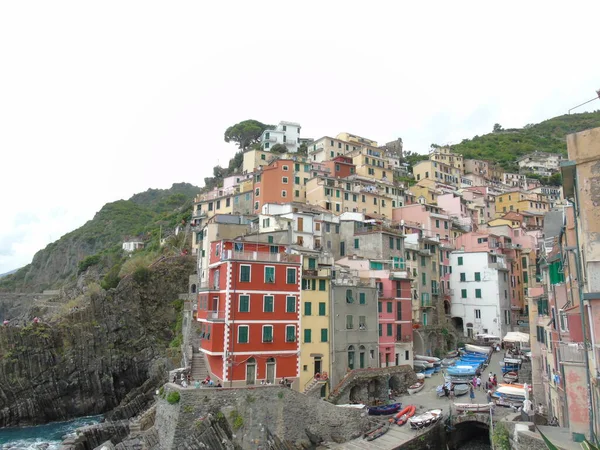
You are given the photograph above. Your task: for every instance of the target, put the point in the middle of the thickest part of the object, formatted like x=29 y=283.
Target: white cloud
x=99 y=101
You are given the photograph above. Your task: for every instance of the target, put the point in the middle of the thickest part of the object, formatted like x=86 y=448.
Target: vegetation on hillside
x=505 y=146
x=98 y=242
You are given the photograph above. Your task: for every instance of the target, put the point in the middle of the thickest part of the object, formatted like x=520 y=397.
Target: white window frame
x=478 y=314
x=265 y=275
x=264 y=303
x=295 y=303
x=285 y=168
x=250 y=273
x=240 y=302
x=262 y=337
x=295 y=333
x=284 y=180
x=238 y=334
x=295 y=275
x=284 y=193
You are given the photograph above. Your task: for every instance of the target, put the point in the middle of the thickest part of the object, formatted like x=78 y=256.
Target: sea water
x=34 y=438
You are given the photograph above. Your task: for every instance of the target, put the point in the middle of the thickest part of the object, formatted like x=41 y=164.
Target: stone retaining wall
x=254 y=412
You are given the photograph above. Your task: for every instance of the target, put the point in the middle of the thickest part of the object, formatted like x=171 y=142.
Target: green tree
x=497 y=128
x=246 y=133
x=303 y=149
x=279 y=148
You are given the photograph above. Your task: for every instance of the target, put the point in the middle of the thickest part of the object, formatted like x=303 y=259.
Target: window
x=244 y=273
x=322 y=306
x=463 y=293
x=477 y=293
x=267 y=334
x=307 y=308
x=356 y=243
x=398 y=243
x=291 y=275
x=424 y=278
x=268 y=303
x=463 y=276
x=478 y=314
x=296 y=180
x=349 y=322
x=362 y=298
x=270 y=239
x=323 y=334
x=269 y=274
x=244 y=303
x=392 y=243
x=242 y=334
x=290 y=304
x=460 y=260
x=437 y=223
x=284 y=193
x=389 y=329
x=507 y=317
x=379 y=306
x=380 y=330
x=390 y=307
x=349 y=298
x=307 y=335
x=362 y=322
x=477 y=276
x=257 y=192
x=290 y=333
x=286 y=168
x=422 y=261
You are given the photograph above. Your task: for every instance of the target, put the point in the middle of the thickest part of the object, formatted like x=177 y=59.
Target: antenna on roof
x=584 y=103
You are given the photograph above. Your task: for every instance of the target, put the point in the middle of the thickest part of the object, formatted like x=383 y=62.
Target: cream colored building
x=254 y=159
x=327 y=148
x=445 y=156
x=333 y=195
x=354 y=139
x=437 y=171
x=371 y=162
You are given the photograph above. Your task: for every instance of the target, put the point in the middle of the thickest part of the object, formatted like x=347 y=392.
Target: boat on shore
x=402 y=417
x=453 y=354
x=510 y=377
x=418 y=364
x=431 y=359
x=460 y=389
x=425 y=419
x=384 y=410
x=473 y=407
x=477 y=349
x=429 y=372
x=461 y=370
x=447 y=362
x=376 y=432
x=417 y=387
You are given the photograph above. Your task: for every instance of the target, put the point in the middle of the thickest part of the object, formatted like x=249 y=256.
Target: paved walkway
x=425 y=400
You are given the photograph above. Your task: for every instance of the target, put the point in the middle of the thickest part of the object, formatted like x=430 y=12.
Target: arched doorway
x=470 y=330
x=193 y=288
x=361 y=356
x=458 y=324
x=418 y=343
x=251 y=371
x=394 y=383
x=446 y=307
x=355 y=394
x=374 y=388
x=351 y=357
x=271 y=369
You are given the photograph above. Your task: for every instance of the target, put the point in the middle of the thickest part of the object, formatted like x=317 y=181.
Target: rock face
x=111 y=350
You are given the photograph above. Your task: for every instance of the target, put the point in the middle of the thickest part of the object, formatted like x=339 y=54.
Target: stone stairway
x=199 y=366
x=313 y=385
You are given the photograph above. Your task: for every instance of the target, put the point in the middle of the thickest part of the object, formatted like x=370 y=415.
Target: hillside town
x=335 y=258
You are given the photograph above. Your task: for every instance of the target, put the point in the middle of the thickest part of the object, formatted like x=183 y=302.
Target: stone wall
x=254 y=412
x=432 y=438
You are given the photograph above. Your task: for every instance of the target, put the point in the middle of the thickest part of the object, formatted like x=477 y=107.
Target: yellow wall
x=426 y=192
x=519 y=203
x=254 y=159
x=315 y=323
x=498 y=222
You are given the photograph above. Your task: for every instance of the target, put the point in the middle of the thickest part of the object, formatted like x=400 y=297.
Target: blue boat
x=461 y=370
x=429 y=372
x=384 y=410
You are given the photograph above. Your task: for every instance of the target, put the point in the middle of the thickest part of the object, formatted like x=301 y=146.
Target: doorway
x=251 y=371
x=271 y=370
x=317 y=365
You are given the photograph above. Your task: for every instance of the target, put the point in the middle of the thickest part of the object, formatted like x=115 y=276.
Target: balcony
x=571 y=353
x=198 y=214
x=404 y=338
x=435 y=291
x=229 y=255
x=426 y=303
x=218 y=316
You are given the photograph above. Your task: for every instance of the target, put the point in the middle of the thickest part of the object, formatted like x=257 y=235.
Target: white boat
x=425 y=419
x=357 y=406
x=420 y=376
x=511 y=391
x=477 y=349
x=422 y=364
x=447 y=362
x=417 y=387
x=431 y=359
x=474 y=407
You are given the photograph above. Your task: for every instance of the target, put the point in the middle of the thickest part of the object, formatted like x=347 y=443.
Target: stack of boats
x=511 y=394
x=427 y=365
x=472 y=359
x=418 y=386
x=510 y=365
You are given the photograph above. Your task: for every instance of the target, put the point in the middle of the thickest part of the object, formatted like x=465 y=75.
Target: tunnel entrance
x=469 y=436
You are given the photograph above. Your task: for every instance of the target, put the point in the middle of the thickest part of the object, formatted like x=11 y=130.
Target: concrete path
x=425 y=400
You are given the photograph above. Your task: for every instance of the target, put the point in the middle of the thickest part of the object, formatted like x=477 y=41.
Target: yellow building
x=327 y=148
x=352 y=138
x=520 y=202
x=426 y=189
x=254 y=159
x=445 y=156
x=371 y=162
x=440 y=172
x=339 y=195
x=315 y=325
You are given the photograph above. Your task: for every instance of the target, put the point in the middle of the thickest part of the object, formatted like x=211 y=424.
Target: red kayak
x=402 y=417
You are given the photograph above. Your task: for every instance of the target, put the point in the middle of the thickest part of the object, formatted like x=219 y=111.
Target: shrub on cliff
x=88 y=262
x=173 y=397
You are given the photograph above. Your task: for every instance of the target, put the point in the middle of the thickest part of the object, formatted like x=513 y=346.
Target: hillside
x=506 y=146
x=142 y=214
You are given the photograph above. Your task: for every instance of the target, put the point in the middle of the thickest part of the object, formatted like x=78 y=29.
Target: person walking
x=489 y=396
x=478 y=383
x=471 y=392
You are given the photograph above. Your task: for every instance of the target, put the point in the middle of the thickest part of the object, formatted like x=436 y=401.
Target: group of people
x=186 y=380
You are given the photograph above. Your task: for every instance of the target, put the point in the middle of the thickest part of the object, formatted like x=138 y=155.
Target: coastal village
x=333 y=267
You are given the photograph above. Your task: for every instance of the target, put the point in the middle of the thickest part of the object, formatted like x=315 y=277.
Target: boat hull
x=384 y=410
x=402 y=417
x=378 y=432
x=417 y=387
x=426 y=419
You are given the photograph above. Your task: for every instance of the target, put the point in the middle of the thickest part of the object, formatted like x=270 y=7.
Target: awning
x=516 y=336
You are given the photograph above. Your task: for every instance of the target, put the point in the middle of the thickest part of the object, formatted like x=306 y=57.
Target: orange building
x=340 y=167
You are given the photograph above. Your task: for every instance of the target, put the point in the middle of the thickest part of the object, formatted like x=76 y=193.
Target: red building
x=340 y=167
x=249 y=312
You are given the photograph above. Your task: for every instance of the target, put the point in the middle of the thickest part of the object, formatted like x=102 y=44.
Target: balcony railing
x=215 y=315
x=426 y=303
x=571 y=353
x=259 y=256
x=199 y=213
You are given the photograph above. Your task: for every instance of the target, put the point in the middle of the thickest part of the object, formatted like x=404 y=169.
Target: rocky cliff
x=109 y=348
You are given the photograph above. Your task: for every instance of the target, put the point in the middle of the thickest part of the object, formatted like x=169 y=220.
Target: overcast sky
x=100 y=100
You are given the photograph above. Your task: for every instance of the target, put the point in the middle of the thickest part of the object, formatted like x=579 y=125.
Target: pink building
x=434 y=222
